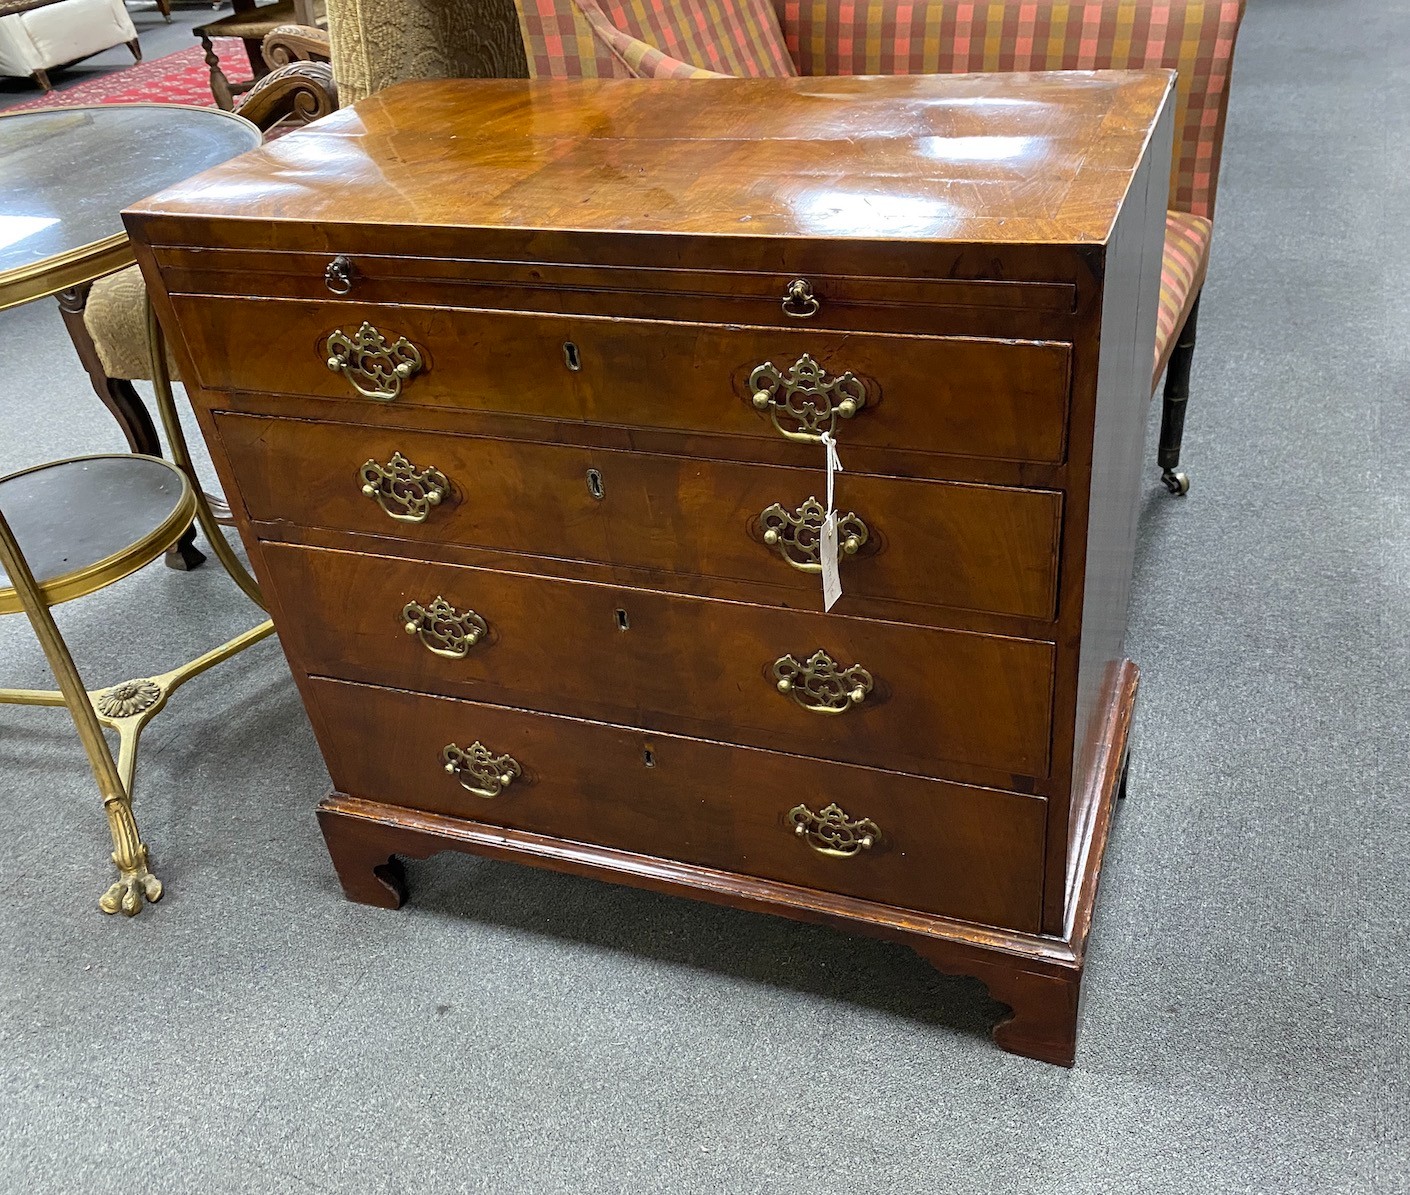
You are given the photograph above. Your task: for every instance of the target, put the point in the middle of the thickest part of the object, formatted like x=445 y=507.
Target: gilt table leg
x=135 y=881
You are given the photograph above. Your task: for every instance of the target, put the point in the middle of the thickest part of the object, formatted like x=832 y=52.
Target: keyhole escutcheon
x=571 y=357
x=594 y=480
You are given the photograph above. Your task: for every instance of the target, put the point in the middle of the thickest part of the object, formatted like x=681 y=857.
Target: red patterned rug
x=180 y=78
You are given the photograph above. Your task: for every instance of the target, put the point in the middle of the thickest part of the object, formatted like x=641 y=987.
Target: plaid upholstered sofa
x=378 y=42
x=375 y=43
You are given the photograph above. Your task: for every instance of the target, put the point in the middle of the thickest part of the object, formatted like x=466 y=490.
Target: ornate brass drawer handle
x=798 y=536
x=820 y=685
x=443 y=630
x=479 y=771
x=405 y=492
x=804 y=402
x=375 y=368
x=832 y=832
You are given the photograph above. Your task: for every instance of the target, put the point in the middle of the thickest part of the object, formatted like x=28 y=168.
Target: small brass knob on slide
x=799 y=302
x=338 y=277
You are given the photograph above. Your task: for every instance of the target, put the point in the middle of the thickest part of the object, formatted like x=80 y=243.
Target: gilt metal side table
x=69 y=528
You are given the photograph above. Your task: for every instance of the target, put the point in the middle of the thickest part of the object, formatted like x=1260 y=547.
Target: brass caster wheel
x=127 y=893
x=1177 y=483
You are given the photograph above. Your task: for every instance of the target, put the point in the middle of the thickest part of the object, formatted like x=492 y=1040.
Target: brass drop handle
x=820 y=685
x=442 y=629
x=804 y=401
x=403 y=491
x=832 y=832
x=479 y=770
x=376 y=367
x=797 y=535
x=338 y=277
x=799 y=300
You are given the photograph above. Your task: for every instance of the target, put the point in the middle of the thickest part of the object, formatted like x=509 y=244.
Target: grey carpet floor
x=1245 y=1016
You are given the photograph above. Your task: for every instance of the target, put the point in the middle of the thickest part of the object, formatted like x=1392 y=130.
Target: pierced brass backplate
x=405 y=492
x=832 y=832
x=375 y=368
x=442 y=629
x=479 y=771
x=804 y=402
x=798 y=536
x=820 y=685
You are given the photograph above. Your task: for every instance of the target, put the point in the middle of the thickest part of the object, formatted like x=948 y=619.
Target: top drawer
x=1002 y=399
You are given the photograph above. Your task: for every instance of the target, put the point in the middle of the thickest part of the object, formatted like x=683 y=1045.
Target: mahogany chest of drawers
x=519 y=391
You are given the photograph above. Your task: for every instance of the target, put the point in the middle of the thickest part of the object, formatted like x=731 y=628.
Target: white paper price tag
x=834 y=466
x=827 y=548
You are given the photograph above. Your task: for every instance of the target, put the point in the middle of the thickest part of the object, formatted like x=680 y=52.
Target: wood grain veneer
x=587 y=277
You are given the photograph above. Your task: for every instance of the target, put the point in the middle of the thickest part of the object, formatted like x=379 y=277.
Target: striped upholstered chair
x=701 y=38
x=376 y=43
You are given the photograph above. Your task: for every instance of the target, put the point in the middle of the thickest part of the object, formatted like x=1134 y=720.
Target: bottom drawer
x=961 y=851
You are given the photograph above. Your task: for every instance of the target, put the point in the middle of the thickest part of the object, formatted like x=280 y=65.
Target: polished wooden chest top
x=519 y=391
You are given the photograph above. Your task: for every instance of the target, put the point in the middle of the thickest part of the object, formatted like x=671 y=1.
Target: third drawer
x=910 y=698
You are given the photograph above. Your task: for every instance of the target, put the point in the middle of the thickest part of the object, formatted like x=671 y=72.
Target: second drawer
x=909 y=698
x=970 y=547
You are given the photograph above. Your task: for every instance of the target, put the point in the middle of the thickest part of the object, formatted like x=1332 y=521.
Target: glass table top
x=67 y=173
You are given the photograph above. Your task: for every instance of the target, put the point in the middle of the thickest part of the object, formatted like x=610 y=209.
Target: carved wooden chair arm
x=298 y=89
x=296 y=43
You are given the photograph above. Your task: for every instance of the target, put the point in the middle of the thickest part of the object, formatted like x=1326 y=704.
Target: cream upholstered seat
x=38 y=35
x=107 y=321
x=116 y=318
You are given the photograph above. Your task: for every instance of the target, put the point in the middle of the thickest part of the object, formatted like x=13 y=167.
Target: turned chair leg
x=1172 y=417
x=220 y=85
x=126 y=407
x=136 y=47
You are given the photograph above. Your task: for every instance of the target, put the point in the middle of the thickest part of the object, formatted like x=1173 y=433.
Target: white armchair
x=37 y=35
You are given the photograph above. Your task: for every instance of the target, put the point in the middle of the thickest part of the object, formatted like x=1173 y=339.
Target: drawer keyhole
x=571 y=357
x=594 y=479
x=648 y=757
x=623 y=622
